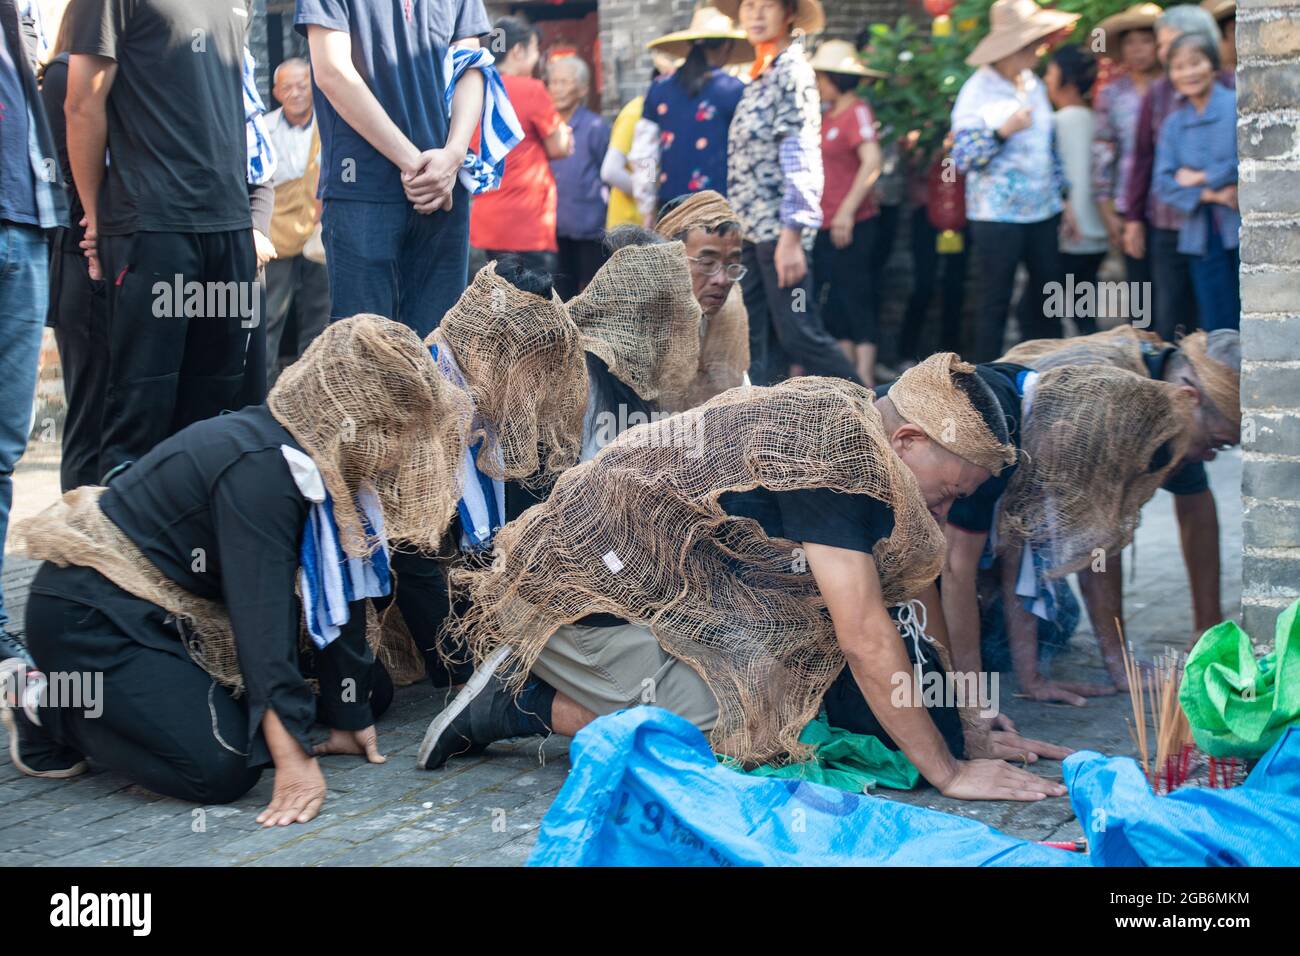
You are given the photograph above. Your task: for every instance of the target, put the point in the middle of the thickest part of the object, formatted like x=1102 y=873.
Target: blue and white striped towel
x=261 y=154
x=329 y=578
x=499 y=128
x=482 y=506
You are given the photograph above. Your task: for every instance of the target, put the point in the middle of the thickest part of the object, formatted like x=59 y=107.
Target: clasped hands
x=430 y=180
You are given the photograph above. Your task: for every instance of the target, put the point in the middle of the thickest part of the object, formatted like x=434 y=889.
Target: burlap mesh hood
x=522 y=358
x=640 y=317
x=926 y=396
x=369 y=406
x=638 y=532
x=1120 y=347
x=1098 y=442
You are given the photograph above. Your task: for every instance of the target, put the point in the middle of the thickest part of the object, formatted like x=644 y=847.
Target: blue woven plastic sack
x=645 y=790
x=1256 y=824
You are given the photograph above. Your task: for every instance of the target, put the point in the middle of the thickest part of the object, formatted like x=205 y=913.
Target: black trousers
x=79 y=315
x=161 y=721
x=842 y=279
x=927 y=263
x=577 y=261
x=1000 y=247
x=784 y=325
x=298 y=283
x=167 y=370
x=1171 y=284
x=1084 y=267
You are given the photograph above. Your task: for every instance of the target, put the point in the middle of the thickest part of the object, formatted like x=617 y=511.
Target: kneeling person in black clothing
x=176 y=582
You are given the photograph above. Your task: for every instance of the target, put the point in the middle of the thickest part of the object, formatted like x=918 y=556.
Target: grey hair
x=292 y=61
x=1224 y=347
x=581 y=73
x=1187 y=18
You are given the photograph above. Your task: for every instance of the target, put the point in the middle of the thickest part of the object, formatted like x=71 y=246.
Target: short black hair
x=514 y=31
x=1078 y=68
x=1198 y=42
x=973 y=386
x=721 y=229
x=630 y=235
x=844 y=82
x=519 y=275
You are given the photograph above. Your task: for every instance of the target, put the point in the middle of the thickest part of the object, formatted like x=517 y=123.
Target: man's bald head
x=292 y=87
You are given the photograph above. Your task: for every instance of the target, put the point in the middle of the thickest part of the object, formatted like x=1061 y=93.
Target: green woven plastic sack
x=1239 y=706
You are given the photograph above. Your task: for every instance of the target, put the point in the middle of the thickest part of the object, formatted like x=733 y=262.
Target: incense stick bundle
x=1153 y=692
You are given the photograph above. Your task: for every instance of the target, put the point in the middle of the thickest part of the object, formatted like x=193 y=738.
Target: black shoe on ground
x=31 y=747
x=481 y=714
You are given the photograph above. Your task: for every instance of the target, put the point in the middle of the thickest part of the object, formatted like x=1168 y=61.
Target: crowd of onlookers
x=134 y=167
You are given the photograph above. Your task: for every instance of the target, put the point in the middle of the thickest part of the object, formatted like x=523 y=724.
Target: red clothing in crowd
x=520 y=216
x=842 y=134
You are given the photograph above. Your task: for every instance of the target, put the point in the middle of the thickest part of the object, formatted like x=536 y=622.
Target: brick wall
x=1268 y=141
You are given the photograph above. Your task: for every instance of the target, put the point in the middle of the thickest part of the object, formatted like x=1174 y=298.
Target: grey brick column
x=1268 y=142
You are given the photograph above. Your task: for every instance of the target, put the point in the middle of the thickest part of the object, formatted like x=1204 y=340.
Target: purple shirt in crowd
x=580 y=209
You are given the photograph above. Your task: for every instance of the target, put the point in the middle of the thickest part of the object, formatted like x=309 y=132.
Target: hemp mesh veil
x=926 y=396
x=638 y=532
x=1090 y=442
x=522 y=358
x=639 y=315
x=368 y=404
x=724 y=351
x=1120 y=347
x=1220 y=383
x=74 y=530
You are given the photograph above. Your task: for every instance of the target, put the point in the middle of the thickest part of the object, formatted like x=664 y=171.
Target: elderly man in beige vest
x=292 y=279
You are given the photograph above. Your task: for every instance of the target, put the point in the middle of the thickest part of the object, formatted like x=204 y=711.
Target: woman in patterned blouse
x=774 y=181
x=1015 y=186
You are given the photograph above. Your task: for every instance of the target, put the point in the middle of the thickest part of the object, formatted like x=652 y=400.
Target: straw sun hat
x=839 y=56
x=1220 y=9
x=809 y=17
x=1140 y=16
x=707 y=23
x=1014 y=24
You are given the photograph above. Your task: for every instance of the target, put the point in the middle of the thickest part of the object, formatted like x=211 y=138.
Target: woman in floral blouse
x=1015 y=186
x=774 y=180
x=684 y=121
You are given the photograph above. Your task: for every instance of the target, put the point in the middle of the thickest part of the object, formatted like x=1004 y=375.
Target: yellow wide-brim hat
x=1013 y=25
x=1140 y=16
x=707 y=23
x=809 y=17
x=839 y=56
x=1220 y=9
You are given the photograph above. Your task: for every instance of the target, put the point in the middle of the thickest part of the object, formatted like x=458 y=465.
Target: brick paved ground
x=485 y=811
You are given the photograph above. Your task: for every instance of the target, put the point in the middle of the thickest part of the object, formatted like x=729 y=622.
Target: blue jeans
x=1214 y=278
x=388 y=259
x=24 y=296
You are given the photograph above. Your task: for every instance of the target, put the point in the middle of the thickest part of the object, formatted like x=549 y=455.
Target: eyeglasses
x=710 y=267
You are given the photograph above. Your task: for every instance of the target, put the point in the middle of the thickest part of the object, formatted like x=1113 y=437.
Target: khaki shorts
x=607 y=669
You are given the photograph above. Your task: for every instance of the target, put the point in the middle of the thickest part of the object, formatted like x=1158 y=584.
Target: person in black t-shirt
x=601 y=664
x=175 y=585
x=971 y=521
x=156 y=140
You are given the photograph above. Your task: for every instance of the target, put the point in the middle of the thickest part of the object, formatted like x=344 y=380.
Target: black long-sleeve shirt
x=215 y=509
